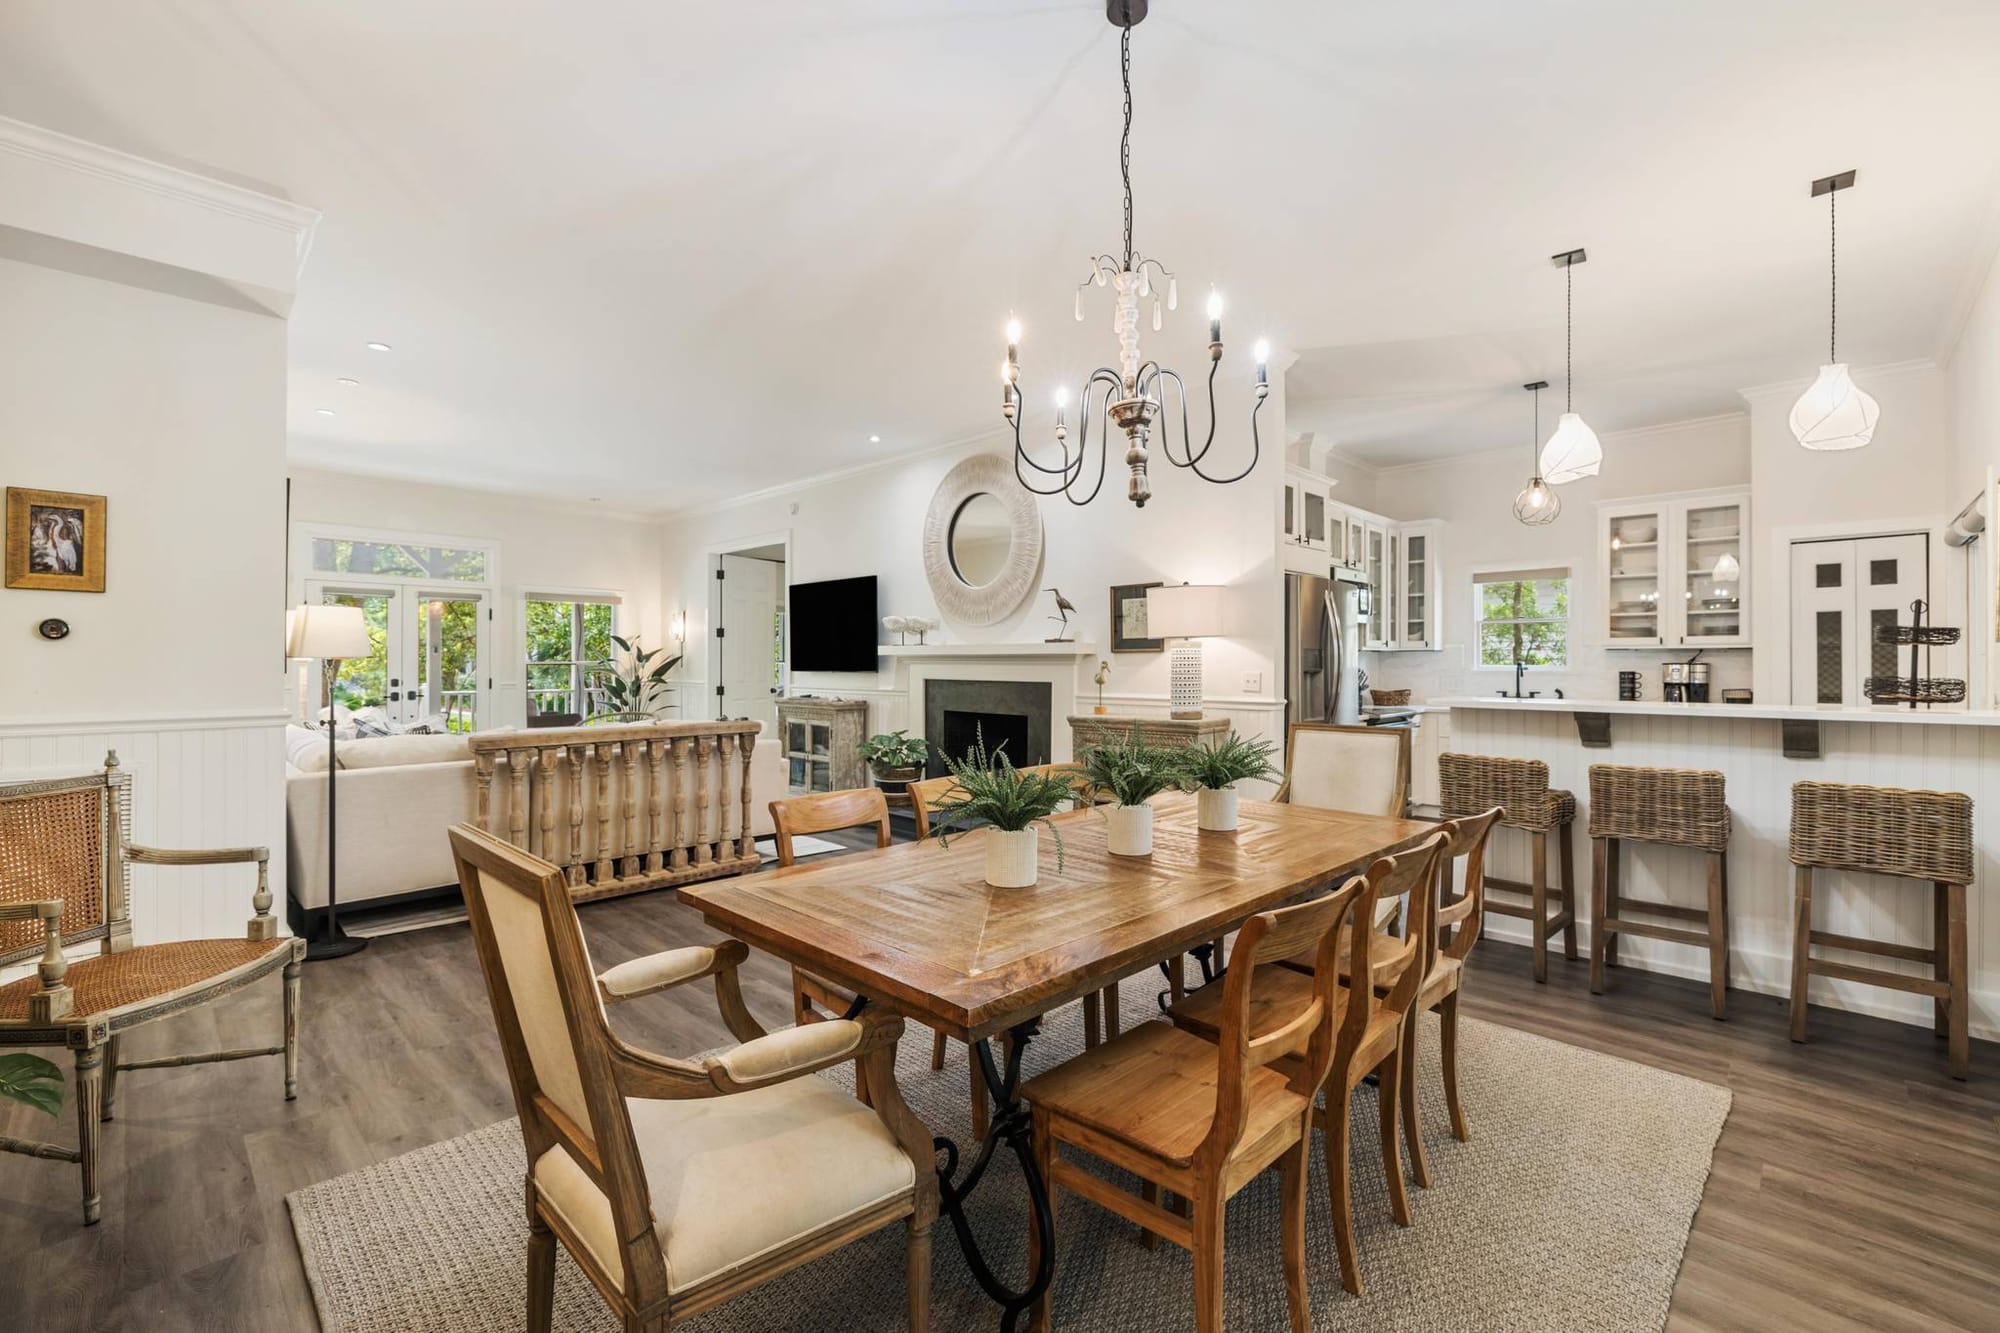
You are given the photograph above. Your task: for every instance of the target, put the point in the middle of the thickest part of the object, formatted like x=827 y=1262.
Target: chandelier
x=1133 y=396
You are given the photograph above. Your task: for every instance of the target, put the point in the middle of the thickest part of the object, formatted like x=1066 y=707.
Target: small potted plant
x=896 y=758
x=1131 y=772
x=987 y=789
x=1213 y=770
x=635 y=684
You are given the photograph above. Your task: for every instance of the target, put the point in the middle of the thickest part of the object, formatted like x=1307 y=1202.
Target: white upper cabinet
x=1674 y=571
x=1309 y=528
x=1399 y=561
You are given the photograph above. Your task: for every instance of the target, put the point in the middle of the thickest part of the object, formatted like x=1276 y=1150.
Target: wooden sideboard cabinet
x=822 y=740
x=1090 y=728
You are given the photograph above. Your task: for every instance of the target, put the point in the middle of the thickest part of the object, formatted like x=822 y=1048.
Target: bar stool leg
x=1718 y=940
x=1613 y=858
x=1598 y=914
x=1941 y=954
x=1568 y=861
x=1958 y=1045
x=1802 y=881
x=1538 y=889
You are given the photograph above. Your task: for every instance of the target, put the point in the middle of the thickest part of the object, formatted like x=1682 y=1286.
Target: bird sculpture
x=1065 y=608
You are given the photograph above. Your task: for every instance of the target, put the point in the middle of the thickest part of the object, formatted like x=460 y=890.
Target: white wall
x=1898 y=483
x=1974 y=378
x=544 y=547
x=174 y=410
x=1474 y=495
x=871 y=522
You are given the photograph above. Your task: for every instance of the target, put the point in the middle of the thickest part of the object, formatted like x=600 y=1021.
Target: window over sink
x=1521 y=615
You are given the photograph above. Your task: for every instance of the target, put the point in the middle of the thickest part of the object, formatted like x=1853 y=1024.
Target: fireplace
x=1017 y=713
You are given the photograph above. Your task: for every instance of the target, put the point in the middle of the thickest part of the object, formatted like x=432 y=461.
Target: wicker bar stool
x=1469 y=785
x=1674 y=807
x=1887 y=831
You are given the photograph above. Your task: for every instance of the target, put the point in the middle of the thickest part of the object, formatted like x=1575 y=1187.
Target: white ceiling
x=669 y=253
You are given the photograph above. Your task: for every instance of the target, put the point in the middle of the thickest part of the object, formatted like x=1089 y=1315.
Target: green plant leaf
x=1131 y=771
x=33 y=1080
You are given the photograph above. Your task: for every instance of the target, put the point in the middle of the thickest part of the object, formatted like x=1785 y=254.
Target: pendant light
x=1573 y=451
x=1538 y=503
x=1833 y=414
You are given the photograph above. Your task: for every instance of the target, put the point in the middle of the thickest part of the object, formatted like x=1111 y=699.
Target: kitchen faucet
x=1520 y=671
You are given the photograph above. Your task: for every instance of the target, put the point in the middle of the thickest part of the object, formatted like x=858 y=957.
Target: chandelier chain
x=1125 y=140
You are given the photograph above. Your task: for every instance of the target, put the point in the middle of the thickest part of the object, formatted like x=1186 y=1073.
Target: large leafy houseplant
x=895 y=756
x=1131 y=772
x=31 y=1080
x=987 y=789
x=1214 y=769
x=635 y=684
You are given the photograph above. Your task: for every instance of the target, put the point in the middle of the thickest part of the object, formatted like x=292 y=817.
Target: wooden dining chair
x=1455 y=923
x=1373 y=1018
x=676 y=1184
x=1201 y=1118
x=1334 y=767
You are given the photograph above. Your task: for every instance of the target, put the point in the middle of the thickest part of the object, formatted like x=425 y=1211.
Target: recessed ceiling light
x=324 y=411
x=378 y=347
x=874 y=439
x=347 y=383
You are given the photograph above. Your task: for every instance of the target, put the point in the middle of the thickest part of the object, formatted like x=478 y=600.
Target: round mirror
x=982 y=533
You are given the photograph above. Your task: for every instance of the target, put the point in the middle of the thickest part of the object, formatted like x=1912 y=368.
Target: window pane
x=596 y=631
x=1525 y=620
x=343 y=556
x=548 y=628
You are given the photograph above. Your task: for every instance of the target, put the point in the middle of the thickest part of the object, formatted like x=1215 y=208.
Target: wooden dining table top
x=916 y=926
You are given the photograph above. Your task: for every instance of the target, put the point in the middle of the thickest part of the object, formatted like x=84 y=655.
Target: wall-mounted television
x=833 y=625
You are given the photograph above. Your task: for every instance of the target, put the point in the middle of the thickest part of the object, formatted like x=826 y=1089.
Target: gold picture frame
x=55 y=540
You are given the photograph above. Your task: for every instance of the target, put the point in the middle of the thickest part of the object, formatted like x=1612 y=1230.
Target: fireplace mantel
x=988 y=651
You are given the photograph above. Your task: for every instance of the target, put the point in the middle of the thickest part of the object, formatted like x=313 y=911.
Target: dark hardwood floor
x=1855 y=1186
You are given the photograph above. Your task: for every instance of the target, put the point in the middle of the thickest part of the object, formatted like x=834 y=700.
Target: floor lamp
x=330 y=634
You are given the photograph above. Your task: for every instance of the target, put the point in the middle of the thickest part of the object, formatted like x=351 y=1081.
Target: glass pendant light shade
x=1834 y=414
x=1572 y=452
x=1537 y=504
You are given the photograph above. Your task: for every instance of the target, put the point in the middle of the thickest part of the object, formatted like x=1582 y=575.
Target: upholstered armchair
x=65 y=858
x=676 y=1184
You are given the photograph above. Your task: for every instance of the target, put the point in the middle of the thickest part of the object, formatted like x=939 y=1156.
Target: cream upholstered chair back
x=553 y=1030
x=1362 y=769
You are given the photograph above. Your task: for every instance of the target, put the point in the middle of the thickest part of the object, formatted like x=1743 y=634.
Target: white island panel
x=1745 y=747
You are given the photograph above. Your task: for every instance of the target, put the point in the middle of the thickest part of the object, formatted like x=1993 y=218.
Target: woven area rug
x=1569 y=1208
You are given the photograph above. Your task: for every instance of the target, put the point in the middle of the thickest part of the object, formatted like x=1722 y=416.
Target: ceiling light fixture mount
x=1834 y=414
x=379 y=347
x=1132 y=396
x=1537 y=504
x=1573 y=451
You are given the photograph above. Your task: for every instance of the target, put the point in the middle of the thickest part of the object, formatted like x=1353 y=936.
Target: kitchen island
x=1762 y=749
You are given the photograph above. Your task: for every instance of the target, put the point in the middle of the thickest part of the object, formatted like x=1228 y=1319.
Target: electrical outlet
x=1253 y=681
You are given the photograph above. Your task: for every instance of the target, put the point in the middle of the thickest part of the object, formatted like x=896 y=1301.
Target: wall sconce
x=678 y=626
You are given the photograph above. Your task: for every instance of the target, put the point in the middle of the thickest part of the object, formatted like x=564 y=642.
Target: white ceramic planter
x=1216 y=809
x=1012 y=858
x=1131 y=830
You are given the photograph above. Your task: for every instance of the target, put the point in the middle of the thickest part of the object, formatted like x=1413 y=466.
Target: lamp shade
x=1833 y=414
x=326 y=632
x=1184 y=611
x=1572 y=452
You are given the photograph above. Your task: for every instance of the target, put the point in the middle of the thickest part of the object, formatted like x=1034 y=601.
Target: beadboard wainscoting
x=1747 y=750
x=212 y=780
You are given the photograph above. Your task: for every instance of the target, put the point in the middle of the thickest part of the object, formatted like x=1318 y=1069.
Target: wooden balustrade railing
x=622 y=808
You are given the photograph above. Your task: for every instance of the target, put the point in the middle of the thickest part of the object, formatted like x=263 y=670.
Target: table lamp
x=1189 y=612
x=330 y=634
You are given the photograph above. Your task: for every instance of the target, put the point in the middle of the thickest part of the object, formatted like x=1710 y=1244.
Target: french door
x=427 y=650
x=1843 y=591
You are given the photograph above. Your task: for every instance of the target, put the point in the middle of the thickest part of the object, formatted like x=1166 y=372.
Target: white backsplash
x=1592 y=673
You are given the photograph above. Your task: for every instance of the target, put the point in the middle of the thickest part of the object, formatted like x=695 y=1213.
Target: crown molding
x=1891 y=370
x=79 y=207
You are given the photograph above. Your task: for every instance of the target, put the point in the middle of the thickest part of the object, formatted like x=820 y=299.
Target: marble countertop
x=1948 y=717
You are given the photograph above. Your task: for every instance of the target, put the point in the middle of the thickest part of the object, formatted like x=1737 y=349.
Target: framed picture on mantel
x=55 y=540
x=1128 y=619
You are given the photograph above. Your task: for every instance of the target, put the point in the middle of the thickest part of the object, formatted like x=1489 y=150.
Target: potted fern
x=1131 y=772
x=987 y=789
x=1213 y=770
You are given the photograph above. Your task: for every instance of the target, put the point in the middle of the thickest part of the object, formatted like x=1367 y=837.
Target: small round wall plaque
x=53 y=628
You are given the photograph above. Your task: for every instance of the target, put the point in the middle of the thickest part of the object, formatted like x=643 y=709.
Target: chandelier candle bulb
x=1214 y=316
x=1263 y=355
x=1173 y=293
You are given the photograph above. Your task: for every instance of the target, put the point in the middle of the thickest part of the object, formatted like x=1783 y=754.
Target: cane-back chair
x=66 y=854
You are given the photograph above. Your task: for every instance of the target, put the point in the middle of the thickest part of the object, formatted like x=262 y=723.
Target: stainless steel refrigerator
x=1323 y=632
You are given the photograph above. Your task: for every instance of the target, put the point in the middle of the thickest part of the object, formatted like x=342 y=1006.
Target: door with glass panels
x=425 y=654
x=1842 y=593
x=374 y=681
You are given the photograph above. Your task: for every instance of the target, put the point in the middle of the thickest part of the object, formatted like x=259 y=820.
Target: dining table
x=915 y=928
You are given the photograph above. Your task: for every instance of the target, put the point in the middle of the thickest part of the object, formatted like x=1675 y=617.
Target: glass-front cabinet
x=1674 y=571
x=1381 y=623
x=1416 y=607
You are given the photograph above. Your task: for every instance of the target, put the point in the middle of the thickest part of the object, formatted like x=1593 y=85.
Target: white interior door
x=1841 y=592
x=752 y=591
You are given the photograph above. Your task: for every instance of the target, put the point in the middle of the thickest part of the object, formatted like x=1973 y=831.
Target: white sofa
x=398 y=795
